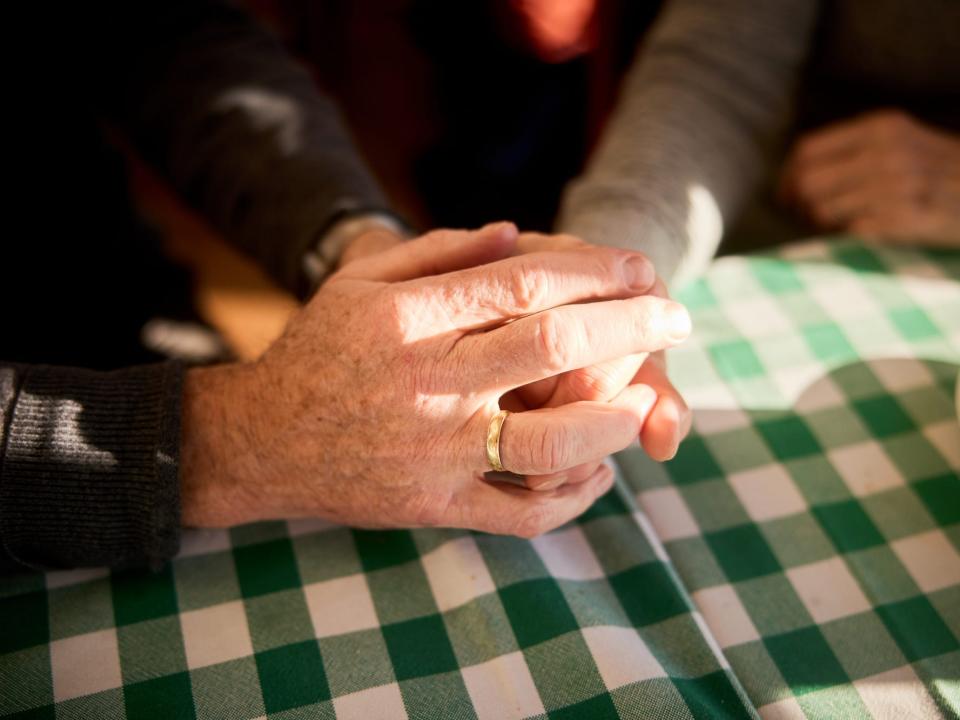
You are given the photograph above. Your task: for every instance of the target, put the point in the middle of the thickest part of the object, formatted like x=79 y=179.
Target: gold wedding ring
x=493 y=440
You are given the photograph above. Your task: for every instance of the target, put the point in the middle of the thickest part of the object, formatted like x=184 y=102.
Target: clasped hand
x=372 y=409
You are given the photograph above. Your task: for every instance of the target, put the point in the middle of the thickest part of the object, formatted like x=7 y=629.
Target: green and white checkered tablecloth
x=799 y=558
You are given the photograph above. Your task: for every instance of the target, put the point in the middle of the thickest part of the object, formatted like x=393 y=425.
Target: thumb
x=435 y=253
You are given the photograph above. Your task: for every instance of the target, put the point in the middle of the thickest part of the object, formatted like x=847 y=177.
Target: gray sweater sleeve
x=238 y=127
x=88 y=472
x=698 y=111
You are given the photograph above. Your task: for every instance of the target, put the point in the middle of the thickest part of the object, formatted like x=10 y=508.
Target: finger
x=662 y=432
x=568 y=338
x=879 y=196
x=839 y=209
x=601 y=382
x=909 y=227
x=544 y=441
x=598 y=382
x=370 y=243
x=659 y=289
x=519 y=286
x=437 y=252
x=827 y=178
x=539 y=393
x=536 y=394
x=574 y=475
x=510 y=510
x=837 y=139
x=836 y=145
x=670 y=419
x=531 y=242
x=862 y=145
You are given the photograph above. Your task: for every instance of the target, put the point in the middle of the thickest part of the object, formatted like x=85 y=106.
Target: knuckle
x=534 y=522
x=643 y=321
x=392 y=308
x=530 y=287
x=572 y=240
x=553 y=344
x=592 y=384
x=551 y=450
x=608 y=262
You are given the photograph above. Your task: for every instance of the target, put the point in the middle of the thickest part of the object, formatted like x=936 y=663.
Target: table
x=799 y=558
x=814 y=516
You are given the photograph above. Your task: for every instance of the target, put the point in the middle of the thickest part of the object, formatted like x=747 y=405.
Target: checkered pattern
x=798 y=558
x=814 y=515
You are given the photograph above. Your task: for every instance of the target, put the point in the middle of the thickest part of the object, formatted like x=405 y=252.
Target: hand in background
x=883 y=175
x=372 y=409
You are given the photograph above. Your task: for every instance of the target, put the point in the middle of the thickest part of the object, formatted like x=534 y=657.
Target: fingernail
x=639 y=272
x=674 y=444
x=678 y=322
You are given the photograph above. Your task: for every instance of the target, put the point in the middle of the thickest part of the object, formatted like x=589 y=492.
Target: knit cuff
x=89 y=465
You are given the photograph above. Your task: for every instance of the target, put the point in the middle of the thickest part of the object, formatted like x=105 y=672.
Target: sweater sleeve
x=88 y=472
x=699 y=110
x=235 y=124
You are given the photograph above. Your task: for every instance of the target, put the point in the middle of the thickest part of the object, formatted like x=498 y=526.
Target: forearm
x=698 y=113
x=239 y=128
x=88 y=465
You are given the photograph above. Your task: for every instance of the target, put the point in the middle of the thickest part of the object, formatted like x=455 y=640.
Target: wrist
x=219 y=467
x=372 y=240
x=343 y=241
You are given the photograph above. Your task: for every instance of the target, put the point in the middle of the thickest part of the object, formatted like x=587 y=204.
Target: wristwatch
x=321 y=260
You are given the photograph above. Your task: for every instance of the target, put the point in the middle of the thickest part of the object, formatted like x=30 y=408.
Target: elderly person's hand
x=373 y=408
x=668 y=421
x=883 y=175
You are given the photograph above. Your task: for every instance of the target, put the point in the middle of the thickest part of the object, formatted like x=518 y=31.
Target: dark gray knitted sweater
x=88 y=458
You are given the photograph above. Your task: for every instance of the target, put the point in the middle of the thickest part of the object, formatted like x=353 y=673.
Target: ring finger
x=545 y=441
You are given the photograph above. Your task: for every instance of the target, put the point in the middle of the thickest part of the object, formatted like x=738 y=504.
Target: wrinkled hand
x=883 y=175
x=669 y=419
x=372 y=409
